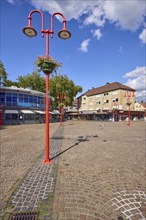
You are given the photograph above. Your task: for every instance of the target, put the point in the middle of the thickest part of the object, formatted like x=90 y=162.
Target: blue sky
x=107 y=44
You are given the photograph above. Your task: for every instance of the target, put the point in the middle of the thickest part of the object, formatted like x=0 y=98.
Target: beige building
x=107 y=98
x=139 y=106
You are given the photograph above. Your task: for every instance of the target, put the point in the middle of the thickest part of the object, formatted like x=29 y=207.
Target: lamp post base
x=47 y=161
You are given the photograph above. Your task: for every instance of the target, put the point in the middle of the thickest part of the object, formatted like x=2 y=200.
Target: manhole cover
x=24 y=216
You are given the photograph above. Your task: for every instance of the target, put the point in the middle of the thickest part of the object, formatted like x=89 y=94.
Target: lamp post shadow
x=77 y=143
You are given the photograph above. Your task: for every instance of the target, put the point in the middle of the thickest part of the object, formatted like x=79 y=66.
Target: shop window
x=35 y=99
x=30 y=99
x=2 y=101
x=26 y=98
x=2 y=94
x=20 y=97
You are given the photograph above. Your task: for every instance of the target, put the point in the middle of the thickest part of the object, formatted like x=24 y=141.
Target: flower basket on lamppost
x=47 y=64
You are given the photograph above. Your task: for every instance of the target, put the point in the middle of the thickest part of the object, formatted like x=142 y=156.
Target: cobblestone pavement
x=35 y=192
x=20 y=146
x=103 y=176
x=98 y=173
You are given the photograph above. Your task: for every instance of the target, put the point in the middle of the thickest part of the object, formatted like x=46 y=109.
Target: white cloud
x=137 y=81
x=11 y=1
x=142 y=36
x=71 y=9
x=126 y=14
x=96 y=17
x=136 y=73
x=97 y=33
x=84 y=46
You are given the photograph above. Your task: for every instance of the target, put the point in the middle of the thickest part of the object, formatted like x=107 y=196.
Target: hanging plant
x=128 y=103
x=47 y=64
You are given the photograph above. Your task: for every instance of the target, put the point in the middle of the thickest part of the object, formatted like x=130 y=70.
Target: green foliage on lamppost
x=47 y=64
x=128 y=103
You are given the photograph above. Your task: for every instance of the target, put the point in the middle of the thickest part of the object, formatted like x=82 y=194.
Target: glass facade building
x=22 y=98
x=19 y=106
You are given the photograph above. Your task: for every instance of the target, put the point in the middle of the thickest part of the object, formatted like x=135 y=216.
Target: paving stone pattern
x=35 y=193
x=98 y=174
x=103 y=177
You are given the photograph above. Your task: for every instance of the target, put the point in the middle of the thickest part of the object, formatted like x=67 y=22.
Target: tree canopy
x=3 y=74
x=62 y=84
x=33 y=81
x=58 y=84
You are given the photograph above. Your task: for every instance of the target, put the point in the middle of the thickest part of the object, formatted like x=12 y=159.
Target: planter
x=128 y=103
x=47 y=67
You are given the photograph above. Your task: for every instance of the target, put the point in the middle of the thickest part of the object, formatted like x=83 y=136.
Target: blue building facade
x=19 y=106
x=19 y=97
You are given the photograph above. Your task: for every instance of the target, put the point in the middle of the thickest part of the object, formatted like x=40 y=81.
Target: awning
x=27 y=111
x=55 y=113
x=40 y=112
x=89 y=112
x=11 y=112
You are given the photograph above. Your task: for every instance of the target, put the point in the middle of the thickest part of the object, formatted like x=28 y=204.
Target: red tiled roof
x=107 y=88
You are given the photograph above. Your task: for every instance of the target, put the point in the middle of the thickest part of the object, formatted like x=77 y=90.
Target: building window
x=8 y=99
x=20 y=97
x=26 y=98
x=35 y=99
x=106 y=101
x=30 y=99
x=105 y=94
x=98 y=102
x=115 y=100
x=2 y=98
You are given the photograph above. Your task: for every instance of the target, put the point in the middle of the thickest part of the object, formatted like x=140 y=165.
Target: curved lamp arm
x=52 y=22
x=29 y=20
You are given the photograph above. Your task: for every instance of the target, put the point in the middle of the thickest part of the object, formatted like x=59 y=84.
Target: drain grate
x=24 y=216
x=120 y=218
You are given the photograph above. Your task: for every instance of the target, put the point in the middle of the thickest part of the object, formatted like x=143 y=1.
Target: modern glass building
x=19 y=97
x=19 y=105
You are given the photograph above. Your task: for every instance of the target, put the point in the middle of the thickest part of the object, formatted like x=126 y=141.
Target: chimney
x=107 y=83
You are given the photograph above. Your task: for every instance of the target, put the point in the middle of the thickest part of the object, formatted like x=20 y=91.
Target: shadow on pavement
x=77 y=143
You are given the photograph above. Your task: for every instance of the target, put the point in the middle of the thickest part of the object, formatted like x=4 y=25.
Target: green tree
x=62 y=84
x=10 y=83
x=33 y=81
x=3 y=74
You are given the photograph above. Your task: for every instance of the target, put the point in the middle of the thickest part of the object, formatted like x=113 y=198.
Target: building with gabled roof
x=106 y=98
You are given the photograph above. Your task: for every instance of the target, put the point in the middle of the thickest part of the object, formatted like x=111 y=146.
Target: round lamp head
x=29 y=31
x=64 y=34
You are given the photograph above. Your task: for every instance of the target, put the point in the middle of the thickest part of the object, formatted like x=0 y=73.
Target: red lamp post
x=116 y=111
x=128 y=95
x=63 y=34
x=61 y=96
